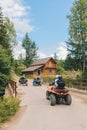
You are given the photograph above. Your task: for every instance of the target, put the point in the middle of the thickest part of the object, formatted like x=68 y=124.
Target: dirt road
x=39 y=115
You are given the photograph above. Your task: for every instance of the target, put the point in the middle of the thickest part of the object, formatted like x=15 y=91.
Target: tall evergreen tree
x=55 y=57
x=7 y=36
x=77 y=42
x=31 y=50
x=2 y=29
x=1 y=16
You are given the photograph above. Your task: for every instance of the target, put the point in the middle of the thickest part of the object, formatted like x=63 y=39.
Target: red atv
x=57 y=96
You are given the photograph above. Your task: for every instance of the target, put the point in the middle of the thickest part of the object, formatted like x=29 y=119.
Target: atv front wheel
x=47 y=95
x=68 y=99
x=52 y=100
x=26 y=84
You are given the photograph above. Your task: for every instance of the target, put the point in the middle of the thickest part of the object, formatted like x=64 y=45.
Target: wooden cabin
x=43 y=67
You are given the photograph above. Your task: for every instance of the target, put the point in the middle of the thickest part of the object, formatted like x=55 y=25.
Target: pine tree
x=2 y=30
x=31 y=50
x=55 y=57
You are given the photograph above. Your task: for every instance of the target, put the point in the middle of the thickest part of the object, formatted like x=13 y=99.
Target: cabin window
x=50 y=70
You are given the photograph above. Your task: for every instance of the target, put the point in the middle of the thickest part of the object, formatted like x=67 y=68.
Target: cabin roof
x=41 y=61
x=32 y=68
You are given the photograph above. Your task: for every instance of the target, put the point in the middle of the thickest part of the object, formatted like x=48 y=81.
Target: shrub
x=8 y=106
x=18 y=70
x=3 y=83
x=60 y=70
x=48 y=79
x=29 y=77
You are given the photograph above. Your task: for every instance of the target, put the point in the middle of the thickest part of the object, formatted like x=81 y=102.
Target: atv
x=57 y=96
x=23 y=81
x=36 y=82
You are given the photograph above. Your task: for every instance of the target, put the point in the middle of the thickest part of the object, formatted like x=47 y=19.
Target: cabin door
x=39 y=72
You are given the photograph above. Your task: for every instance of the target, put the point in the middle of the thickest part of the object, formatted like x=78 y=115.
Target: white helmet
x=57 y=76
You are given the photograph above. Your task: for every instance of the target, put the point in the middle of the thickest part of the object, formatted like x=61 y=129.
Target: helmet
x=60 y=77
x=57 y=76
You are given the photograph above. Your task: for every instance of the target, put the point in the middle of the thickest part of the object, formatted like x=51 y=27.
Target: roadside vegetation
x=8 y=107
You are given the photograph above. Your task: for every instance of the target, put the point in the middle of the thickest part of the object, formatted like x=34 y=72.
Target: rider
x=23 y=77
x=60 y=83
x=54 y=82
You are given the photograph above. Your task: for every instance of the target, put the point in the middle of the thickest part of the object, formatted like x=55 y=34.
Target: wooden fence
x=79 y=84
x=11 y=89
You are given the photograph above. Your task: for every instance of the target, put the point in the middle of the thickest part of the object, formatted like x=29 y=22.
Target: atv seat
x=61 y=90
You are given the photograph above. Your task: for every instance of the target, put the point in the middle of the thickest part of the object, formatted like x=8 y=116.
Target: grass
x=8 y=107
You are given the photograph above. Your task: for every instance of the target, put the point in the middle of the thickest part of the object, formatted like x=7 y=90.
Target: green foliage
x=60 y=70
x=4 y=61
x=3 y=32
x=18 y=66
x=31 y=50
x=60 y=66
x=7 y=32
x=48 y=79
x=18 y=70
x=11 y=31
x=85 y=76
x=55 y=57
x=8 y=106
x=3 y=83
x=77 y=42
x=29 y=77
x=70 y=63
x=7 y=37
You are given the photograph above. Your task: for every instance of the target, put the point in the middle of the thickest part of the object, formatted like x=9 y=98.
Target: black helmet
x=60 y=77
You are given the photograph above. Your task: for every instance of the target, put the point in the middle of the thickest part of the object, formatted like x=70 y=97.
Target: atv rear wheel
x=34 y=84
x=68 y=99
x=52 y=100
x=26 y=84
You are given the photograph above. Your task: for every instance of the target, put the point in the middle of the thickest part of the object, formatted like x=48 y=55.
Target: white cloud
x=17 y=50
x=62 y=51
x=18 y=12
x=41 y=54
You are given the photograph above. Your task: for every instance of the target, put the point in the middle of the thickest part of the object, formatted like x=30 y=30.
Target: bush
x=29 y=77
x=60 y=70
x=18 y=70
x=8 y=106
x=68 y=82
x=48 y=79
x=3 y=83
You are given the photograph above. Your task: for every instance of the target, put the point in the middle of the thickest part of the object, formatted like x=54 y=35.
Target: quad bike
x=57 y=96
x=23 y=81
x=36 y=82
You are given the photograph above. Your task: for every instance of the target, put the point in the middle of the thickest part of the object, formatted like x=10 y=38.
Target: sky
x=45 y=21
